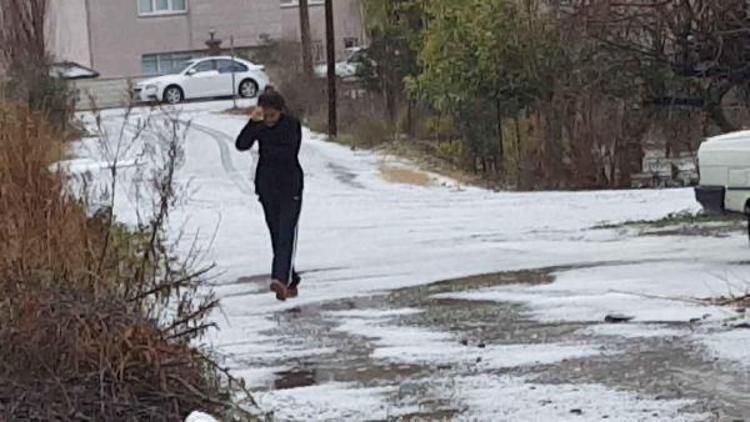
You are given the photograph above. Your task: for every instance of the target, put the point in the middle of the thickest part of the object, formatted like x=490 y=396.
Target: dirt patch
x=414 y=296
x=239 y=111
x=421 y=154
x=684 y=224
x=724 y=228
x=404 y=176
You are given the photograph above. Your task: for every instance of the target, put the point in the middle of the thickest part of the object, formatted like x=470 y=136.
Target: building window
x=162 y=64
x=351 y=42
x=161 y=7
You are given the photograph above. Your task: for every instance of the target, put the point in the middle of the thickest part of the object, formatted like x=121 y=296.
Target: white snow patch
x=650 y=292
x=375 y=313
x=635 y=330
x=413 y=345
x=82 y=165
x=200 y=417
x=731 y=345
x=387 y=336
x=490 y=357
x=331 y=402
x=512 y=399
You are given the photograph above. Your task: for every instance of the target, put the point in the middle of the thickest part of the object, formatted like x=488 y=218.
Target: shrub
x=99 y=319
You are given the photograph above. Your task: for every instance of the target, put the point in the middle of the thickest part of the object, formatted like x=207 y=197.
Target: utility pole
x=234 y=80
x=331 y=56
x=304 y=27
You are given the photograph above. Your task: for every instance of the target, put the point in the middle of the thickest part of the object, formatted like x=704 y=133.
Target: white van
x=724 y=167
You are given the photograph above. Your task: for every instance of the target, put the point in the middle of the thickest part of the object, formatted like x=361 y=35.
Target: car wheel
x=173 y=95
x=248 y=89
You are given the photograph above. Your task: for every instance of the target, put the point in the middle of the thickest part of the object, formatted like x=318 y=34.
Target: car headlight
x=152 y=87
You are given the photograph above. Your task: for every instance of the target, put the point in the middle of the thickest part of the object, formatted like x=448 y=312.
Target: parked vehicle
x=71 y=71
x=724 y=167
x=204 y=78
x=349 y=68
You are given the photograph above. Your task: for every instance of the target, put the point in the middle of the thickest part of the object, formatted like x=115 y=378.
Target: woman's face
x=271 y=115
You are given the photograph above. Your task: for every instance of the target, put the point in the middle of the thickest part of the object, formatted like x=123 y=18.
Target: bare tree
x=688 y=53
x=22 y=31
x=24 y=59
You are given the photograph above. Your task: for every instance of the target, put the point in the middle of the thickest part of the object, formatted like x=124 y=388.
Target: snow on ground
x=649 y=292
x=513 y=399
x=361 y=235
x=404 y=344
x=332 y=402
x=200 y=417
x=635 y=331
x=730 y=345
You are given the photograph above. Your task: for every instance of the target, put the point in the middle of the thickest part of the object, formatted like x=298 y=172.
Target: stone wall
x=107 y=93
x=662 y=171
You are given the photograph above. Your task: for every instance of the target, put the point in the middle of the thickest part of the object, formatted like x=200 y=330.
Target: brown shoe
x=291 y=292
x=280 y=289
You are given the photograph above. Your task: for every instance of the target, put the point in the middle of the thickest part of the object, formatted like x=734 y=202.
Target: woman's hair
x=271 y=99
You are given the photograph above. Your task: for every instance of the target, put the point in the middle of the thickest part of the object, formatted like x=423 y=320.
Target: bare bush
x=304 y=94
x=100 y=319
x=26 y=63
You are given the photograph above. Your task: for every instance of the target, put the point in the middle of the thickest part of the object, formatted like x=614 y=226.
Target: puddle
x=665 y=367
x=345 y=176
x=294 y=378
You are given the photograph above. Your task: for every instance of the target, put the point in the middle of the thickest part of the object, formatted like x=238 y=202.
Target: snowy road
x=365 y=342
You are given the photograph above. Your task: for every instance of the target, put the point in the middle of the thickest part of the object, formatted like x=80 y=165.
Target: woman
x=278 y=183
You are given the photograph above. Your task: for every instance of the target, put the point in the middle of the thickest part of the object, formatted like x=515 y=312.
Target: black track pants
x=282 y=215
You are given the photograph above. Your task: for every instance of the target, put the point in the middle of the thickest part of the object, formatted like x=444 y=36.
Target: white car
x=347 y=69
x=203 y=78
x=724 y=166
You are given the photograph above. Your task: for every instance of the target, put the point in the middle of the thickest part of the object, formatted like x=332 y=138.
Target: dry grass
x=98 y=320
x=424 y=154
x=76 y=358
x=404 y=176
x=43 y=228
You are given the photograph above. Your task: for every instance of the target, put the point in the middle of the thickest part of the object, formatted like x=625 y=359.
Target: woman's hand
x=257 y=114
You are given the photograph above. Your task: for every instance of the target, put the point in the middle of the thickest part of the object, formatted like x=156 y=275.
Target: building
x=131 y=38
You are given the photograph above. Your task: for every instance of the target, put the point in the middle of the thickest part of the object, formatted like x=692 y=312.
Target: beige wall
x=348 y=22
x=111 y=37
x=67 y=31
x=119 y=36
x=247 y=20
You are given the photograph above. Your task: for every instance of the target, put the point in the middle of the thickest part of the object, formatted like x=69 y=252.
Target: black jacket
x=279 y=170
